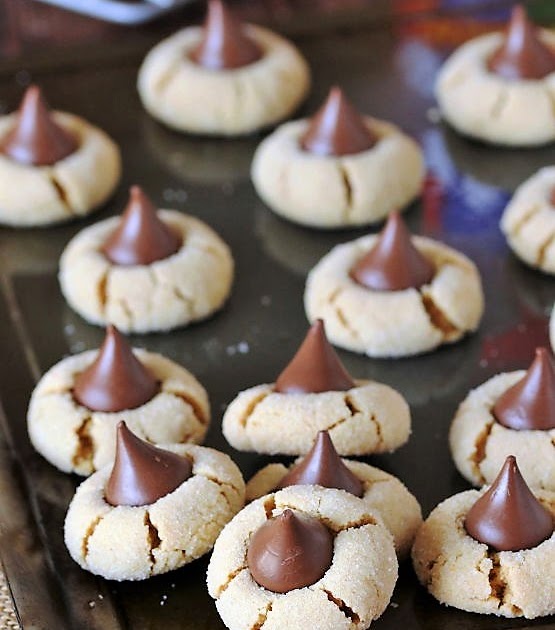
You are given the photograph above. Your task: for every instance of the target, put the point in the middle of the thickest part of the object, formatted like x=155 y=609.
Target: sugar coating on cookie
x=337 y=191
x=190 y=97
x=484 y=105
x=75 y=439
x=528 y=221
x=395 y=323
x=43 y=194
x=136 y=542
x=185 y=287
x=383 y=493
x=353 y=592
x=462 y=572
x=479 y=444
x=369 y=418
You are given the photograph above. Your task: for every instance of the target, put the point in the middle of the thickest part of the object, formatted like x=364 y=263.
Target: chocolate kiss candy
x=36 y=139
x=322 y=466
x=394 y=263
x=508 y=517
x=522 y=55
x=315 y=367
x=116 y=380
x=141 y=237
x=224 y=44
x=289 y=551
x=337 y=128
x=530 y=403
x=143 y=473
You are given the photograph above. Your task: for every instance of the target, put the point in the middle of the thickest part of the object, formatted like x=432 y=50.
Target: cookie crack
x=363 y=521
x=153 y=540
x=102 y=291
x=185 y=299
x=85 y=445
x=243 y=420
x=269 y=507
x=60 y=192
x=230 y=577
x=543 y=249
x=163 y=81
x=499 y=105
x=480 y=451
x=379 y=433
x=519 y=225
x=346 y=610
x=438 y=319
x=90 y=531
x=262 y=617
x=195 y=406
x=348 y=189
x=496 y=580
x=351 y=405
x=128 y=312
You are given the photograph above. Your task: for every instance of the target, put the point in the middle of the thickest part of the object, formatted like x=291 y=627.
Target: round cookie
x=383 y=493
x=440 y=308
x=529 y=221
x=74 y=438
x=315 y=393
x=480 y=443
x=226 y=99
x=331 y=190
x=353 y=592
x=175 y=290
x=137 y=541
x=460 y=571
x=42 y=183
x=507 y=105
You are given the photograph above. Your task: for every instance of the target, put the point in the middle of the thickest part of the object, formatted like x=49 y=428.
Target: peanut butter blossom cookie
x=303 y=557
x=149 y=270
x=510 y=414
x=529 y=221
x=337 y=169
x=315 y=393
x=393 y=294
x=154 y=511
x=321 y=466
x=498 y=87
x=77 y=404
x=224 y=78
x=46 y=161
x=491 y=551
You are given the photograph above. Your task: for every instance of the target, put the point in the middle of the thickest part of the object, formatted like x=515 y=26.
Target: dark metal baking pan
x=388 y=70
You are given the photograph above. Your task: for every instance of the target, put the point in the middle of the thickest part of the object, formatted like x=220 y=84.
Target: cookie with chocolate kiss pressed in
x=148 y=270
x=153 y=511
x=528 y=221
x=272 y=564
x=497 y=87
x=76 y=405
x=337 y=169
x=224 y=78
x=315 y=393
x=45 y=163
x=510 y=414
x=384 y=494
x=393 y=294
x=487 y=551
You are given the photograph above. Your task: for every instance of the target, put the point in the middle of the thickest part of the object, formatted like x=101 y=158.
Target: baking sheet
x=388 y=71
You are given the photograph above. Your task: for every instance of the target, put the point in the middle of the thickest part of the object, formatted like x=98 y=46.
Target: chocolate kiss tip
x=315 y=367
x=508 y=517
x=523 y=55
x=116 y=380
x=393 y=263
x=143 y=473
x=322 y=466
x=289 y=552
x=36 y=139
x=224 y=44
x=141 y=238
x=337 y=128
x=529 y=405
